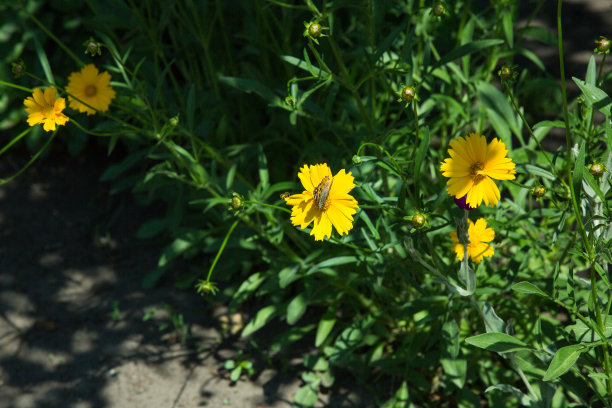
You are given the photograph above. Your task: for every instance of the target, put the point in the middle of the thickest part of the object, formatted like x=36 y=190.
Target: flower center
x=476 y=172
x=91 y=90
x=321 y=193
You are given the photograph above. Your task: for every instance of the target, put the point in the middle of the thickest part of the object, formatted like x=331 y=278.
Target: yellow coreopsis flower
x=326 y=201
x=478 y=235
x=45 y=108
x=472 y=166
x=90 y=87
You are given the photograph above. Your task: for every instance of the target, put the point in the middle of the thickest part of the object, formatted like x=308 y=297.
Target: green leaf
x=151 y=278
x=296 y=308
x=591 y=75
x=262 y=317
x=326 y=324
x=529 y=289
x=549 y=124
x=498 y=106
x=563 y=360
x=578 y=170
x=190 y=108
x=262 y=163
x=235 y=374
x=595 y=96
x=537 y=171
x=246 y=289
x=467 y=49
x=420 y=155
x=151 y=228
x=306 y=396
x=584 y=333
x=251 y=85
x=114 y=171
x=508 y=25
x=523 y=399
x=498 y=342
x=401 y=399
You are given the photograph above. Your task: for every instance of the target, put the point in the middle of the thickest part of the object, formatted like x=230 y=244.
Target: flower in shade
x=45 y=108
x=325 y=201
x=472 y=167
x=478 y=235
x=89 y=87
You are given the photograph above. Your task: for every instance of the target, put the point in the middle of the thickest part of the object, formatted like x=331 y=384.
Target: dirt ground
x=71 y=304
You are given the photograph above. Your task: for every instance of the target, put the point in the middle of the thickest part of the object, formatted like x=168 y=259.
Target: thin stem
x=53 y=37
x=32 y=160
x=601 y=65
x=276 y=207
x=220 y=251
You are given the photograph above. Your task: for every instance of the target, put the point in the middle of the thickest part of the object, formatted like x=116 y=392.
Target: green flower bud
x=439 y=10
x=507 y=73
x=538 y=191
x=357 y=160
x=408 y=93
x=597 y=170
x=603 y=45
x=236 y=202
x=92 y=47
x=418 y=220
x=18 y=68
x=174 y=120
x=315 y=30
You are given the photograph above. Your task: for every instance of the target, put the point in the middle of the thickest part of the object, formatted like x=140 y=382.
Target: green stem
x=21 y=88
x=15 y=140
x=517 y=110
x=53 y=37
x=601 y=65
x=600 y=323
x=220 y=251
x=32 y=160
x=364 y=114
x=276 y=207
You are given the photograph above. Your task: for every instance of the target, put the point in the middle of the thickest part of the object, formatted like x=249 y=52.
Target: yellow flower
x=45 y=108
x=472 y=166
x=326 y=201
x=478 y=235
x=90 y=87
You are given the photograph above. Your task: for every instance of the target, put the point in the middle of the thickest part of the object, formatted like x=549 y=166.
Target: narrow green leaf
x=549 y=124
x=537 y=171
x=326 y=324
x=262 y=163
x=595 y=96
x=420 y=155
x=498 y=342
x=262 y=317
x=296 y=308
x=251 y=85
x=591 y=75
x=529 y=289
x=235 y=374
x=190 y=107
x=563 y=360
x=467 y=49
x=151 y=228
x=507 y=23
x=578 y=170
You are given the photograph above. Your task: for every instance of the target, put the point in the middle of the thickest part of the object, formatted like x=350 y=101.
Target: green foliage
x=220 y=103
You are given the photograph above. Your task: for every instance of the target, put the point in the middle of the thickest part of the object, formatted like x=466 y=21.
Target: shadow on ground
x=71 y=305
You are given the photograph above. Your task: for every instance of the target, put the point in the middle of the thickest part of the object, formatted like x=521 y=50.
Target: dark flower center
x=91 y=90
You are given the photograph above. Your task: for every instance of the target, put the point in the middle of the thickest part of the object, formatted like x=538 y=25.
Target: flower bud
x=438 y=10
x=205 y=286
x=408 y=93
x=357 y=160
x=538 y=191
x=92 y=47
x=597 y=170
x=315 y=30
x=603 y=45
x=507 y=73
x=18 y=68
x=418 y=220
x=174 y=120
x=236 y=202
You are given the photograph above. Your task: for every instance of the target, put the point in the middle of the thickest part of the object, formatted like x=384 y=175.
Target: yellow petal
x=322 y=228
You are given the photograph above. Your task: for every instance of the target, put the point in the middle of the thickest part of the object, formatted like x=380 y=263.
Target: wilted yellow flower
x=326 y=201
x=45 y=108
x=91 y=88
x=472 y=166
x=478 y=235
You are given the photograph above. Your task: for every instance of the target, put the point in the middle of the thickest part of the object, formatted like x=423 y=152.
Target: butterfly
x=321 y=192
